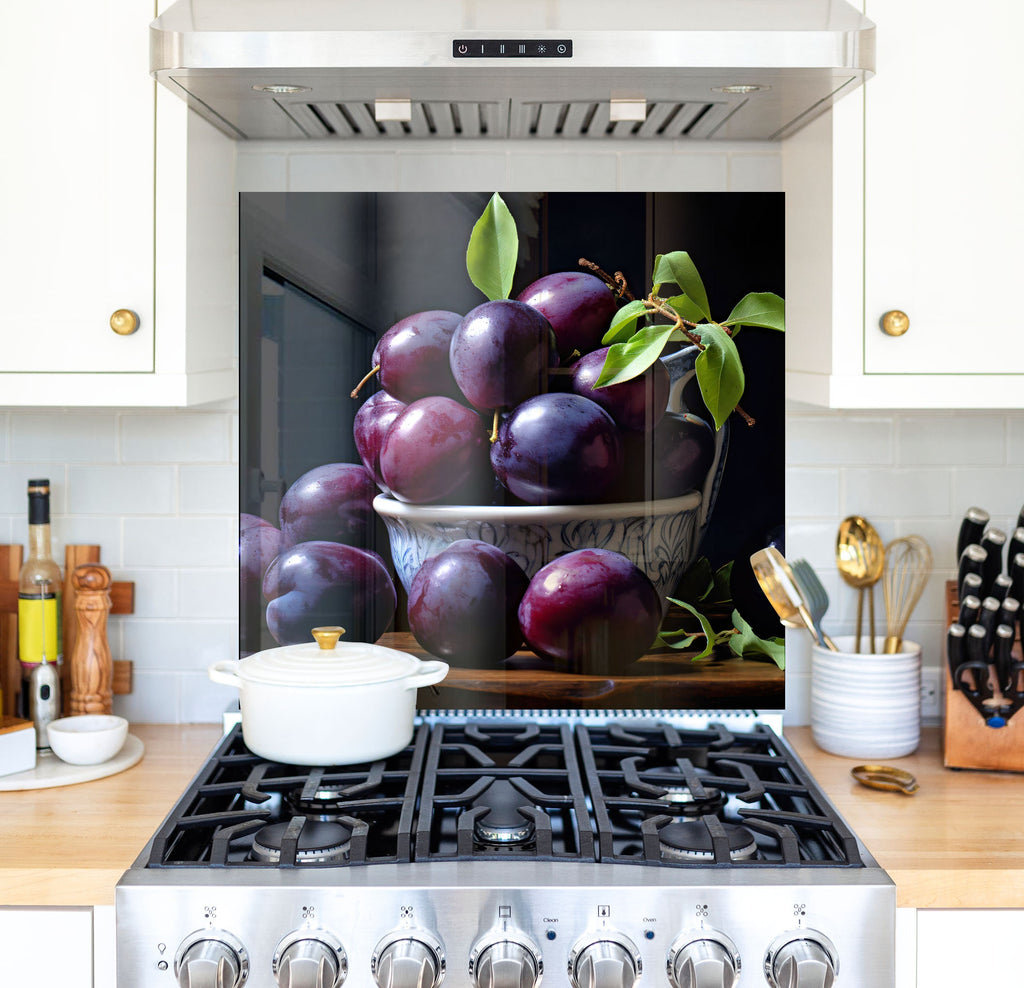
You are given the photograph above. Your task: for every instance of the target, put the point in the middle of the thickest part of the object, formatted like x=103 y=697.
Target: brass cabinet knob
x=895 y=323
x=124 y=322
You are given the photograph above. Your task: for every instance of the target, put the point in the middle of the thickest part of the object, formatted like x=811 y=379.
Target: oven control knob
x=705 y=960
x=606 y=960
x=410 y=959
x=211 y=959
x=505 y=961
x=801 y=959
x=310 y=959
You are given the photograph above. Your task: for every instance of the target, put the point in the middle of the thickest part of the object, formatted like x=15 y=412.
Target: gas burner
x=502 y=823
x=682 y=802
x=691 y=841
x=318 y=843
x=326 y=803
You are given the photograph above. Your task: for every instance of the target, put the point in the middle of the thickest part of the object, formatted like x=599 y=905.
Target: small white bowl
x=88 y=739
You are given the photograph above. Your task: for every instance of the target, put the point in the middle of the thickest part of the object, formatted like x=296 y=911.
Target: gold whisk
x=908 y=564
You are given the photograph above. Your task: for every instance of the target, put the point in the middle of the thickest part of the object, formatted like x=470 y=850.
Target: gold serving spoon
x=860 y=559
x=776 y=581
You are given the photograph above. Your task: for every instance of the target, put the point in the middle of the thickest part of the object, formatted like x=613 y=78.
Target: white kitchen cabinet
x=907 y=197
x=47 y=946
x=98 y=216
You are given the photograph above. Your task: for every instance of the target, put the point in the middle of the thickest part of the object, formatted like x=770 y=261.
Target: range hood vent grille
x=572 y=119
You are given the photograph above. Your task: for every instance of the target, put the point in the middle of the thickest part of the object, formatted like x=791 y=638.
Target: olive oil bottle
x=39 y=594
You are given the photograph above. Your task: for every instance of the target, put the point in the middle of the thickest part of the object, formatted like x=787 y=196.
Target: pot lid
x=328 y=662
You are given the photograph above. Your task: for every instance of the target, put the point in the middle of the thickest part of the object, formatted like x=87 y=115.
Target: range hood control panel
x=514 y=48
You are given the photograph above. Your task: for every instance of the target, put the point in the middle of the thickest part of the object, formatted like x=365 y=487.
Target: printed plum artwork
x=555 y=484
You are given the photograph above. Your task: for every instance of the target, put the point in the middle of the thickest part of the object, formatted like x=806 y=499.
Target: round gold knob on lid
x=124 y=322
x=895 y=323
x=327 y=637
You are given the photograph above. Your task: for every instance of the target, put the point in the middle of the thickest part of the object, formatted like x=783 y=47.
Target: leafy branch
x=719 y=368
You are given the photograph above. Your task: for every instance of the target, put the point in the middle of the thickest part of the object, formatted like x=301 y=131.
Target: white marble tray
x=50 y=771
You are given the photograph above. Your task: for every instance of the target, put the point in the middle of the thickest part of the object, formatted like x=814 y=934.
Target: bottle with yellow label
x=39 y=589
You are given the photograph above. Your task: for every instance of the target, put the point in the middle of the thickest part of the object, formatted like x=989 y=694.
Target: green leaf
x=705 y=624
x=627 y=360
x=721 y=590
x=764 y=309
x=679 y=645
x=719 y=372
x=493 y=250
x=748 y=643
x=680 y=270
x=623 y=322
x=687 y=308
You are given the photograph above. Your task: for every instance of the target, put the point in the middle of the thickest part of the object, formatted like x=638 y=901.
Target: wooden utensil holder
x=122 y=601
x=968 y=742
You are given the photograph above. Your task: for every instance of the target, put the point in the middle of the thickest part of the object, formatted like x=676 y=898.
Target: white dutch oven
x=325 y=703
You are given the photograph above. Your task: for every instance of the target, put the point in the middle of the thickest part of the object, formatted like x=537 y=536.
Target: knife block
x=967 y=741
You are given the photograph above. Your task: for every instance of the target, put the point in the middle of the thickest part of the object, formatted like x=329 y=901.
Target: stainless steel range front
x=596 y=853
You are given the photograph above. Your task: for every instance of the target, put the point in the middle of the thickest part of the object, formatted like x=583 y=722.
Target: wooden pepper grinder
x=92 y=670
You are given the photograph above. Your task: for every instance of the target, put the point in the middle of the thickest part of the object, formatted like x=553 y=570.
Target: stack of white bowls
x=866 y=705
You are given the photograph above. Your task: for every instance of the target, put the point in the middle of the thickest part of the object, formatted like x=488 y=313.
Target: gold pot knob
x=327 y=637
x=124 y=322
x=895 y=323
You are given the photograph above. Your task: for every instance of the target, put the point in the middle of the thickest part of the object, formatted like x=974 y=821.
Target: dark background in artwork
x=323 y=275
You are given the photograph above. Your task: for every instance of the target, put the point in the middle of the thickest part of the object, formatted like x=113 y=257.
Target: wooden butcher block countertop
x=959 y=842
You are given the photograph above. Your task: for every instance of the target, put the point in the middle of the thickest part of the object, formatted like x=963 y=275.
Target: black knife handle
x=970 y=608
x=993 y=542
x=1002 y=659
x=977 y=659
x=1000 y=586
x=973 y=524
x=972 y=560
x=1017 y=576
x=956 y=653
x=988 y=619
x=1009 y=612
x=1020 y=517
x=1016 y=545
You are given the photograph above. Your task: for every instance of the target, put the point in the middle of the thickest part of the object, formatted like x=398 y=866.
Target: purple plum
x=501 y=353
x=370 y=426
x=557 y=449
x=258 y=543
x=331 y=503
x=325 y=583
x=463 y=604
x=436 y=448
x=637 y=405
x=579 y=307
x=590 y=611
x=413 y=356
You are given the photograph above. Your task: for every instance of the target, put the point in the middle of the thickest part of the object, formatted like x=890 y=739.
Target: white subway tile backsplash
x=77 y=437
x=649 y=172
x=156 y=592
x=180 y=541
x=115 y=489
x=567 y=171
x=897 y=492
x=14 y=478
x=209 y=490
x=811 y=540
x=101 y=530
x=211 y=593
x=432 y=172
x=155 y=697
x=812 y=493
x=1015 y=438
x=999 y=490
x=755 y=173
x=179 y=645
x=928 y=439
x=175 y=437
x=816 y=440
x=203 y=701
x=343 y=172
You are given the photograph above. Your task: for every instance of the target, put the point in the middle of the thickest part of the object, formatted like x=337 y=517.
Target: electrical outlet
x=931 y=694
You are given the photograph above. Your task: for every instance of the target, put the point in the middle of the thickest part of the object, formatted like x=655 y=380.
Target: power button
x=462 y=49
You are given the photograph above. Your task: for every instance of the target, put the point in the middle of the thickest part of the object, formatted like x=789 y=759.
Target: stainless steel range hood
x=486 y=69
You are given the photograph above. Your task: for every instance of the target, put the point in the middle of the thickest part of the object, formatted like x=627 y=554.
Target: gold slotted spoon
x=860 y=559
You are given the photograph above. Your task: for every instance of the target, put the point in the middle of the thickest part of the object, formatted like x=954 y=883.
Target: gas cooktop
x=638 y=792
x=493 y=852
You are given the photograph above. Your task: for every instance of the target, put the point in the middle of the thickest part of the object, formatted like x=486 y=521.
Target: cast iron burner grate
x=626 y=792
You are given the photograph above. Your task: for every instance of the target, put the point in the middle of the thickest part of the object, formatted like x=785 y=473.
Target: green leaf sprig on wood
x=634 y=346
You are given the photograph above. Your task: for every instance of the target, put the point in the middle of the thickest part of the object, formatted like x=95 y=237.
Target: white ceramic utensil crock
x=325 y=702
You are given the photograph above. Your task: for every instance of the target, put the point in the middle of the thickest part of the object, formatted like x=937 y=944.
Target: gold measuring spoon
x=776 y=581
x=860 y=559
